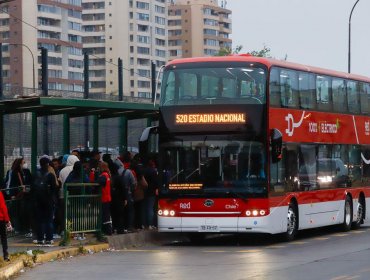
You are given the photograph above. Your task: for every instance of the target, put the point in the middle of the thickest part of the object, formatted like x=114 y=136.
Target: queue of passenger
x=128 y=186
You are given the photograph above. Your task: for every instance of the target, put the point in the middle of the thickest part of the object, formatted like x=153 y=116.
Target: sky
x=312 y=32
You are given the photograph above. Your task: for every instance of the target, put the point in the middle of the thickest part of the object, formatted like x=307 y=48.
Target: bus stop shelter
x=73 y=108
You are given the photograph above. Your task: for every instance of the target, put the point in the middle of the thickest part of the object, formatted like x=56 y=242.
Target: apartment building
x=198 y=28
x=135 y=31
x=26 y=26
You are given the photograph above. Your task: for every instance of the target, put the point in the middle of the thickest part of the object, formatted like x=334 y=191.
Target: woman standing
x=104 y=181
x=16 y=179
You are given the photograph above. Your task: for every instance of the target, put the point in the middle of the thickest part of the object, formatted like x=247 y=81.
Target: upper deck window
x=323 y=93
x=213 y=85
x=353 y=97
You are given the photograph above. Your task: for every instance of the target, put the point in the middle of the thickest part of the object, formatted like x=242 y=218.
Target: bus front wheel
x=347 y=223
x=292 y=222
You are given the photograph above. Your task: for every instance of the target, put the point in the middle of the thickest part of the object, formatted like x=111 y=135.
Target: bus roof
x=269 y=62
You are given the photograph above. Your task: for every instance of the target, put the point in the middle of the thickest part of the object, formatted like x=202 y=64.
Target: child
x=4 y=226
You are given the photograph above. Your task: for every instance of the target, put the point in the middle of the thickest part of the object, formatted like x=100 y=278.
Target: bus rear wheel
x=347 y=223
x=292 y=222
x=360 y=214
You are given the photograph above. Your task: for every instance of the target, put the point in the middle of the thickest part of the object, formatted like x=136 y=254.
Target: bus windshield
x=213 y=164
x=215 y=85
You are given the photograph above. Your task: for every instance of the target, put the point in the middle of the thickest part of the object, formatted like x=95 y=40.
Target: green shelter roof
x=47 y=106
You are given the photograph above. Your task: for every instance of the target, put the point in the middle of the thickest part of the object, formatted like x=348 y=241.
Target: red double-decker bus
x=251 y=144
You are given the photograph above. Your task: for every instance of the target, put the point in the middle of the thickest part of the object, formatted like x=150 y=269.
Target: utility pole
x=45 y=89
x=1 y=72
x=154 y=84
x=86 y=96
x=120 y=80
x=349 y=37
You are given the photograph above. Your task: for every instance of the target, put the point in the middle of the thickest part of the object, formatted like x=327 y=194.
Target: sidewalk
x=23 y=253
x=22 y=244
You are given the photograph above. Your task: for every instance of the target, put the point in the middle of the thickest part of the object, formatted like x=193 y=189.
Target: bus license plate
x=208 y=228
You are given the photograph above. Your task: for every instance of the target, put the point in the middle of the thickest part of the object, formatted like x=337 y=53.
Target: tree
x=265 y=52
x=228 y=51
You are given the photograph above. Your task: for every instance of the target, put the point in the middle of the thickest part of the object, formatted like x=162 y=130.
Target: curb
x=58 y=254
x=14 y=268
x=143 y=238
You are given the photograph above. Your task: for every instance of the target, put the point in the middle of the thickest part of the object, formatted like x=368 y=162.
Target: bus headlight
x=257 y=212
x=166 y=212
x=172 y=213
x=160 y=212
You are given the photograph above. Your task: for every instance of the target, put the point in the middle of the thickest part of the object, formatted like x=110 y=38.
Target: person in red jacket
x=104 y=181
x=4 y=226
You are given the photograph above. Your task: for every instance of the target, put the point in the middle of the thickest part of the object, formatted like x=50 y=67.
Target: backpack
x=41 y=185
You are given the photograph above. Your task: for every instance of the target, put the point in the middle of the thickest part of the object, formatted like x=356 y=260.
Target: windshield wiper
x=192 y=173
x=177 y=174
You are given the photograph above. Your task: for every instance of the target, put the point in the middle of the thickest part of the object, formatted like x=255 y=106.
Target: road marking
x=321 y=238
x=358 y=231
x=298 y=242
x=146 y=251
x=275 y=246
x=249 y=251
x=342 y=277
x=365 y=270
x=340 y=234
x=346 y=277
x=214 y=251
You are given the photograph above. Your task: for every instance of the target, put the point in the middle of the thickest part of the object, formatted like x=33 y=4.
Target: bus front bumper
x=264 y=224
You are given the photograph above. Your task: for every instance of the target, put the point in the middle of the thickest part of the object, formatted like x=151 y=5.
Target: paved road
x=316 y=254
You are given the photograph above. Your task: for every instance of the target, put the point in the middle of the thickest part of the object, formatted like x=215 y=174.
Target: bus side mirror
x=276 y=145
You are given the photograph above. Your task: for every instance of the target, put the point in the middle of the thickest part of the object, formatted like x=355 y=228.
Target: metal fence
x=14 y=92
x=82 y=209
x=14 y=210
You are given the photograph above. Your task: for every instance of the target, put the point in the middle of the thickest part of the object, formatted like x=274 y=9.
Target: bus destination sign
x=186 y=186
x=211 y=118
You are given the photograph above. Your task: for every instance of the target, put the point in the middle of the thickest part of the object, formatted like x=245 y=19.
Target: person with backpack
x=119 y=199
x=129 y=183
x=44 y=190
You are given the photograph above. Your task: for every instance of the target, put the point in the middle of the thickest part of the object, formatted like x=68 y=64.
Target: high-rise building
x=198 y=28
x=26 y=26
x=135 y=31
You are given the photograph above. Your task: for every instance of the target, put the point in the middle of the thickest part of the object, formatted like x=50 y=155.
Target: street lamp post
x=349 y=37
x=33 y=63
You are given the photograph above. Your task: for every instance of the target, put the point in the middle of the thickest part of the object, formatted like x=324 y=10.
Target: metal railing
x=15 y=207
x=14 y=92
x=83 y=206
x=14 y=211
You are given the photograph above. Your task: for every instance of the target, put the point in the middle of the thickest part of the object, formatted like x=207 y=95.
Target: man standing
x=45 y=186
